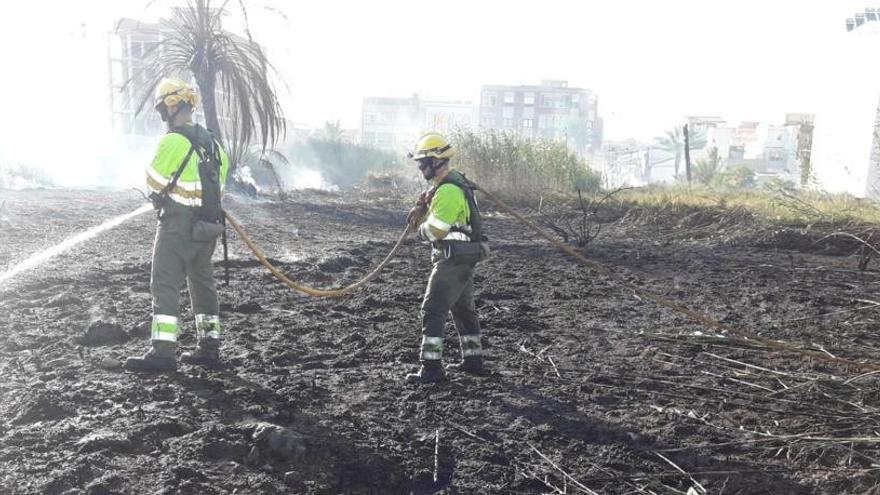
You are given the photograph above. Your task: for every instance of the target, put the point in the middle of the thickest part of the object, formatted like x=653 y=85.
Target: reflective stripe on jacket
x=188 y=190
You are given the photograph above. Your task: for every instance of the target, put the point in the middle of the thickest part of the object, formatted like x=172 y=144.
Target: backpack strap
x=476 y=220
x=162 y=196
x=209 y=167
x=177 y=173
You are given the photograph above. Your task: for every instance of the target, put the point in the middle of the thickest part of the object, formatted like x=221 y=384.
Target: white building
x=771 y=151
x=394 y=124
x=551 y=110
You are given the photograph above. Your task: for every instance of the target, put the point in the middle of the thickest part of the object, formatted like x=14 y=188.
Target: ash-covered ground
x=591 y=387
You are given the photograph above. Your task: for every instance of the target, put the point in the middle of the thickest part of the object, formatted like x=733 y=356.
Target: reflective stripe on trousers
x=208 y=326
x=164 y=328
x=432 y=348
x=470 y=345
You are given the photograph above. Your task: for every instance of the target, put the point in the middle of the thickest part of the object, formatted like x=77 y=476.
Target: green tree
x=707 y=168
x=739 y=177
x=232 y=74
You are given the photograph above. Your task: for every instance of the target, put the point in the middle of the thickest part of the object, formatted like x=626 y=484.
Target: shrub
x=511 y=164
x=341 y=163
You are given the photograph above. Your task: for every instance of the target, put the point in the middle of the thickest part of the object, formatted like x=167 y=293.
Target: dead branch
x=851 y=236
x=682 y=471
x=752 y=366
x=735 y=472
x=466 y=432
x=539 y=356
x=563 y=472
x=716 y=375
x=578 y=227
x=555 y=369
x=861 y=376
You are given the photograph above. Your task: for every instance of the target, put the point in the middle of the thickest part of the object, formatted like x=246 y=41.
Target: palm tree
x=232 y=73
x=673 y=143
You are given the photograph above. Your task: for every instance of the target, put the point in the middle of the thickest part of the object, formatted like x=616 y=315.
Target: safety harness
x=475 y=222
x=211 y=209
x=477 y=249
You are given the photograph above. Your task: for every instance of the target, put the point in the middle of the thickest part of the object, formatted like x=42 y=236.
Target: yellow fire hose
x=662 y=301
x=305 y=289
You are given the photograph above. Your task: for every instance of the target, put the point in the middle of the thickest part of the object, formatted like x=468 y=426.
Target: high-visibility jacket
x=449 y=212
x=173 y=148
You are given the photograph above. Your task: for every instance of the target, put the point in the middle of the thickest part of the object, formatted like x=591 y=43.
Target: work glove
x=426 y=197
x=415 y=216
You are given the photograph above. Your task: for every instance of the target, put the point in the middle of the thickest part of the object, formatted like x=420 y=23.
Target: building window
x=508 y=112
x=549 y=122
x=136 y=49
x=527 y=123
x=553 y=101
x=490 y=99
x=575 y=99
x=528 y=112
x=529 y=98
x=508 y=122
x=508 y=97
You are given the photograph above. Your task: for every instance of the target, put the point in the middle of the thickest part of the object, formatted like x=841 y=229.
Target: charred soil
x=591 y=389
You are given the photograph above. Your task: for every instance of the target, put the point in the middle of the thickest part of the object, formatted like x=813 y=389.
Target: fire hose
x=305 y=289
x=580 y=258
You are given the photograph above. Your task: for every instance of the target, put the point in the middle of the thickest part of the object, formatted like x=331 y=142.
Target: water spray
x=37 y=258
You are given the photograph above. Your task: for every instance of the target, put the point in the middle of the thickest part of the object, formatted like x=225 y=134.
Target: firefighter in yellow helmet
x=186 y=180
x=447 y=216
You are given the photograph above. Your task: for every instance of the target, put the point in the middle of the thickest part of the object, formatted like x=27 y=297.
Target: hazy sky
x=650 y=61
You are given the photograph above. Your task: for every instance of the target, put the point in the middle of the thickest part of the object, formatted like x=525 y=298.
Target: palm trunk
x=209 y=104
x=687 y=154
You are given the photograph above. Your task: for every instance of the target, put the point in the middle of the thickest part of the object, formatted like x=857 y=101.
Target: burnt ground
x=592 y=389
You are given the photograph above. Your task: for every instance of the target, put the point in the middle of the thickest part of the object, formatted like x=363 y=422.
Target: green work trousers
x=177 y=258
x=450 y=288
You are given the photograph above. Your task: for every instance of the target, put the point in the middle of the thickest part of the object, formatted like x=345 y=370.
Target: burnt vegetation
x=592 y=390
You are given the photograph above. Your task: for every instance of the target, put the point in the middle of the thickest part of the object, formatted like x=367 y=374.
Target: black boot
x=430 y=372
x=160 y=357
x=470 y=364
x=207 y=353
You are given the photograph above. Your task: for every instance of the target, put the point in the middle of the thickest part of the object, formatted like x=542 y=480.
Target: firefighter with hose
x=186 y=180
x=447 y=216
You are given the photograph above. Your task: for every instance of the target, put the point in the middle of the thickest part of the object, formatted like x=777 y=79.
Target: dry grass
x=774 y=206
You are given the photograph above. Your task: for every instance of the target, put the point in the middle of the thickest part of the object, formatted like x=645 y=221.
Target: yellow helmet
x=432 y=145
x=172 y=91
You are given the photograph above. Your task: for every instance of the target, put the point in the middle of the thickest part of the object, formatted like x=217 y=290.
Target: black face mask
x=163 y=112
x=429 y=164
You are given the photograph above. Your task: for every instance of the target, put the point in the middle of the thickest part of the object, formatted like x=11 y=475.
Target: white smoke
x=846 y=109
